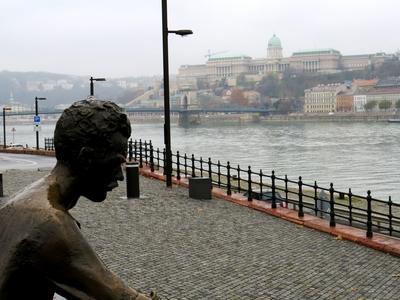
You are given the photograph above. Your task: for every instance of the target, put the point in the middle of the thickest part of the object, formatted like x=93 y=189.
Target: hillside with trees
x=65 y=89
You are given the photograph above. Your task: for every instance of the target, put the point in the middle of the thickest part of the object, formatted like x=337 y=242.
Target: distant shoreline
x=336 y=117
x=238 y=118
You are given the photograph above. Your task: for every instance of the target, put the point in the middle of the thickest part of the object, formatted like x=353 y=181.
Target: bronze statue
x=42 y=250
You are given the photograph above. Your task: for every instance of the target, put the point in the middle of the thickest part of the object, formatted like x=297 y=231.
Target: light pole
x=167 y=124
x=36 y=119
x=4 y=125
x=92 y=86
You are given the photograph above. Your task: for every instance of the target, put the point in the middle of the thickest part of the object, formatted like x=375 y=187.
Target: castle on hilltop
x=230 y=67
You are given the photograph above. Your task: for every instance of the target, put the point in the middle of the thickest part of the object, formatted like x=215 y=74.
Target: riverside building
x=322 y=98
x=230 y=67
x=352 y=97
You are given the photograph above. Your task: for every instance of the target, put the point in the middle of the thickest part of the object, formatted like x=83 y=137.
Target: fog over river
x=360 y=156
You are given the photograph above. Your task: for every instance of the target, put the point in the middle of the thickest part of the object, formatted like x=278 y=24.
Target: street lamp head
x=181 y=32
x=99 y=79
x=6 y=108
x=40 y=98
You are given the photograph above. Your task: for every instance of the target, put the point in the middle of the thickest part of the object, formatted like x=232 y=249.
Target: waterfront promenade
x=194 y=249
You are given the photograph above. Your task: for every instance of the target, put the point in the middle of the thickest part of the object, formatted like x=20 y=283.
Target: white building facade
x=322 y=98
x=307 y=61
x=359 y=102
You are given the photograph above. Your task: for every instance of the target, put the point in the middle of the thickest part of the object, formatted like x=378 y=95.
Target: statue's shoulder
x=32 y=211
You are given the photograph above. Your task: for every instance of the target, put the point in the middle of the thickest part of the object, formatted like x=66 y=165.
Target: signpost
x=36 y=120
x=13 y=130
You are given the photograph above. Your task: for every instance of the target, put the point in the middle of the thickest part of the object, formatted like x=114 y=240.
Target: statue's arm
x=74 y=268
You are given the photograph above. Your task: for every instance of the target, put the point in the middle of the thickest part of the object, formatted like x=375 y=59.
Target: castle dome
x=274 y=42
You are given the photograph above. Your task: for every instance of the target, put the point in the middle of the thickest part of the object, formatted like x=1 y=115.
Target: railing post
x=316 y=198
x=193 y=167
x=219 y=173
x=390 y=203
x=201 y=166
x=135 y=149
x=369 y=215
x=140 y=154
x=301 y=212
x=332 y=221
x=178 y=171
x=249 y=191
x=210 y=169
x=273 y=204
x=1 y=185
x=151 y=157
x=164 y=162
x=145 y=153
x=185 y=159
x=286 y=191
x=130 y=150
x=350 y=207
x=228 y=184
x=238 y=178
x=158 y=158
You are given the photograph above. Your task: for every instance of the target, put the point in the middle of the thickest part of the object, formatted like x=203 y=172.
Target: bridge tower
x=186 y=116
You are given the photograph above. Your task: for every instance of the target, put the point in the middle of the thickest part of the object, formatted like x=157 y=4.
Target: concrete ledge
x=29 y=151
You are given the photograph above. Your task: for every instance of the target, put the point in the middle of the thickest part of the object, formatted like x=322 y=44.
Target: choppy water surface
x=360 y=156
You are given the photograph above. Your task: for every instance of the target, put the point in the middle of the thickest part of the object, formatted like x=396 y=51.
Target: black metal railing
x=49 y=144
x=365 y=212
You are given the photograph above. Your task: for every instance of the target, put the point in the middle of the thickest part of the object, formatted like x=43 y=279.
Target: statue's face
x=104 y=170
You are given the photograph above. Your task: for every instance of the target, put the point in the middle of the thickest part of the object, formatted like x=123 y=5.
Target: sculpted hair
x=88 y=123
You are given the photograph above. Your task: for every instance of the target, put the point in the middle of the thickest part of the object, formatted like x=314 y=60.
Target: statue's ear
x=85 y=157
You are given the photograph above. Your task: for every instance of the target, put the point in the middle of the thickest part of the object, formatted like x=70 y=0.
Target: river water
x=362 y=156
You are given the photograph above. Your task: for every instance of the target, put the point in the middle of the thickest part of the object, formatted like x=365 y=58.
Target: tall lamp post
x=36 y=120
x=167 y=124
x=4 y=125
x=92 y=86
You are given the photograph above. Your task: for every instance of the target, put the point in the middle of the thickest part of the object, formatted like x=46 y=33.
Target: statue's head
x=91 y=138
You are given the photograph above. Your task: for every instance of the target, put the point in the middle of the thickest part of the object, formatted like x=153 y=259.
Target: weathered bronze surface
x=42 y=250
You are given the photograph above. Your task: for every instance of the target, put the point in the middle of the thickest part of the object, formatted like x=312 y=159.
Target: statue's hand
x=141 y=296
x=154 y=296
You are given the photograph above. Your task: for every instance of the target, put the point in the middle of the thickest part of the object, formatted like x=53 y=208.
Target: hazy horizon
x=124 y=39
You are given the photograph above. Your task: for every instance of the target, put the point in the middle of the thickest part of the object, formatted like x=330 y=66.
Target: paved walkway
x=18 y=161
x=192 y=249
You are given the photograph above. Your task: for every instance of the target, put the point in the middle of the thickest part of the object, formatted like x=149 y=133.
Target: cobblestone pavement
x=193 y=249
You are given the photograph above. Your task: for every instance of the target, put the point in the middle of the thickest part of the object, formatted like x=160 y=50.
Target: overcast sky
x=123 y=37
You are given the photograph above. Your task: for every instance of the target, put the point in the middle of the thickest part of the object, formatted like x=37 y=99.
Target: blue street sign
x=36 y=120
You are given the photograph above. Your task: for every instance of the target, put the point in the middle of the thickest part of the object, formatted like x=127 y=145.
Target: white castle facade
x=229 y=67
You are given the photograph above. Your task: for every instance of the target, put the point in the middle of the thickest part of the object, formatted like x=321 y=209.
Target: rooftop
x=316 y=52
x=274 y=42
x=365 y=82
x=389 y=82
x=222 y=57
x=385 y=91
